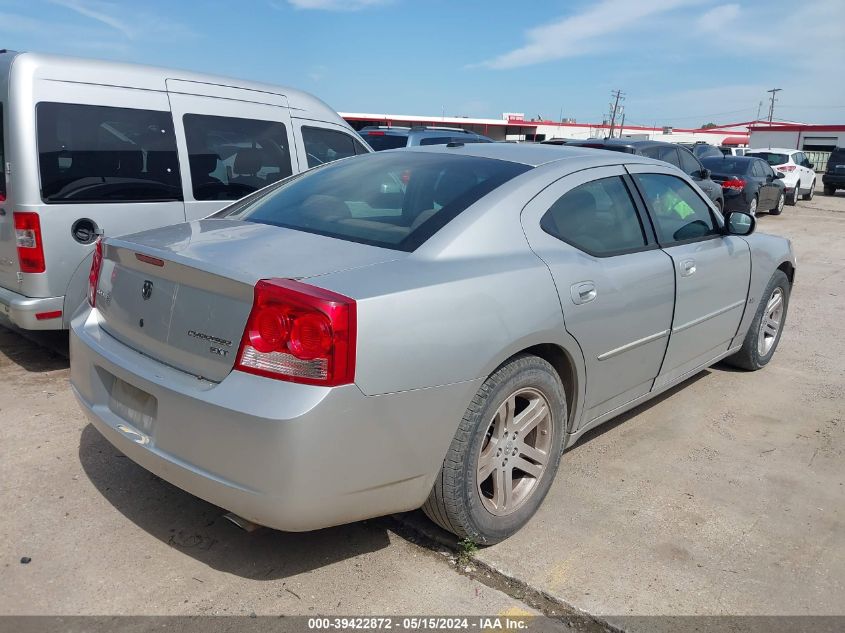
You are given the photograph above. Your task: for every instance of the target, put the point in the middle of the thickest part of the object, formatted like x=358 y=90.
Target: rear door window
x=90 y=154
x=598 y=217
x=679 y=213
x=231 y=157
x=324 y=146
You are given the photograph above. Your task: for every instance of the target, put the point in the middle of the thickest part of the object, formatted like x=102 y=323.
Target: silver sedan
x=426 y=328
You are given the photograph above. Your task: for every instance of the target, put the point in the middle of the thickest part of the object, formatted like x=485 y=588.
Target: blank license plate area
x=134 y=405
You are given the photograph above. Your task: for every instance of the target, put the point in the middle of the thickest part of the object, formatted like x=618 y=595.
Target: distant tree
x=707 y=126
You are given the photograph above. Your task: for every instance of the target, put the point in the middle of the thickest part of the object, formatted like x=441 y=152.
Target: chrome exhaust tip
x=245 y=524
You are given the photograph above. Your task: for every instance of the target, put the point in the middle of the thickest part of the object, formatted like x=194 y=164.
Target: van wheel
x=809 y=195
x=504 y=455
x=763 y=336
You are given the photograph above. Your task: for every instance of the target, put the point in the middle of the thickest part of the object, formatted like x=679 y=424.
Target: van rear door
x=235 y=140
x=8 y=250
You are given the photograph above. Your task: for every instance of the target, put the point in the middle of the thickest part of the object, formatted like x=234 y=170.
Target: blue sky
x=680 y=62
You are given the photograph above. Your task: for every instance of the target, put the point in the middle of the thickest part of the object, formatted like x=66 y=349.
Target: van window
x=2 y=160
x=230 y=158
x=324 y=146
x=102 y=154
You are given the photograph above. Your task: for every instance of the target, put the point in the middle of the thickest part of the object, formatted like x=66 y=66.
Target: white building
x=814 y=138
x=514 y=127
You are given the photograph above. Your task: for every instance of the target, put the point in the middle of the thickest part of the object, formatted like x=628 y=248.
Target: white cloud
x=717 y=18
x=582 y=33
x=335 y=5
x=129 y=22
x=98 y=11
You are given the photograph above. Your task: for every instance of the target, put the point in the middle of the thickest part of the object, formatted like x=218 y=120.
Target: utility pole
x=617 y=95
x=622 y=125
x=759 y=107
x=772 y=102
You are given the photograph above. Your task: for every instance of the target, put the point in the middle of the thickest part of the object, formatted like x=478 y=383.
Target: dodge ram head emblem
x=147 y=289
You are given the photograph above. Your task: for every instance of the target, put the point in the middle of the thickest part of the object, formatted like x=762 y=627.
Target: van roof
x=83 y=70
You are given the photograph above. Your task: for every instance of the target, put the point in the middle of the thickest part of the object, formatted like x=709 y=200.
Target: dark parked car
x=834 y=176
x=749 y=183
x=381 y=138
x=671 y=153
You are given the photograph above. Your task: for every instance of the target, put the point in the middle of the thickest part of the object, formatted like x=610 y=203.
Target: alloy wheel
x=771 y=322
x=781 y=202
x=752 y=209
x=796 y=192
x=515 y=451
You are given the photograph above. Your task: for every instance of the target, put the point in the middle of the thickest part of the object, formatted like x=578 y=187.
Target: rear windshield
x=773 y=158
x=380 y=141
x=2 y=160
x=395 y=200
x=93 y=153
x=726 y=165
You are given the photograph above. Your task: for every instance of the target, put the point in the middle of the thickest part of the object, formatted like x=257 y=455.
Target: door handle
x=687 y=267
x=583 y=292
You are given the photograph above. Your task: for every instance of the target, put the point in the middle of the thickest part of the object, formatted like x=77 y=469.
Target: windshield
x=380 y=141
x=727 y=164
x=395 y=200
x=774 y=159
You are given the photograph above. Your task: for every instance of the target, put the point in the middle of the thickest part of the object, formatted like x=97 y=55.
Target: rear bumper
x=22 y=310
x=288 y=456
x=834 y=180
x=735 y=201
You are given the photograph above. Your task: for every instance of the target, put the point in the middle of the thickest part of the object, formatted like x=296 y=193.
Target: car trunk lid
x=182 y=294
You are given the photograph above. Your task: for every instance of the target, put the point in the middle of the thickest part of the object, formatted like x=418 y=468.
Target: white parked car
x=799 y=176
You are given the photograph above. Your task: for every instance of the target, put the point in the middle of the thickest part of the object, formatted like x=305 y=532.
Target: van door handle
x=583 y=292
x=687 y=267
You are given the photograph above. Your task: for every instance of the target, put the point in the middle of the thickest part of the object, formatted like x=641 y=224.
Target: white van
x=92 y=147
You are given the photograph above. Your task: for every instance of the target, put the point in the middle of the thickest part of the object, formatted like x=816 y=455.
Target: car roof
x=779 y=150
x=144 y=77
x=732 y=157
x=533 y=154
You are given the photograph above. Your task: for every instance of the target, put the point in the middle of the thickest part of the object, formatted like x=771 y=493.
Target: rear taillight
x=28 y=238
x=784 y=168
x=300 y=333
x=736 y=184
x=94 y=275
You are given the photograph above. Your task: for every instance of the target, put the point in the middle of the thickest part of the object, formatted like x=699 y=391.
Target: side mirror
x=738 y=223
x=809 y=165
x=704 y=173
x=779 y=175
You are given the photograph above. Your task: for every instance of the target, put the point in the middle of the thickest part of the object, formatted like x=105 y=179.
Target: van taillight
x=299 y=333
x=28 y=239
x=94 y=274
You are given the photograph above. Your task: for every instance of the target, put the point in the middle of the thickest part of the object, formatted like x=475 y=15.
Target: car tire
x=752 y=208
x=809 y=195
x=763 y=336
x=465 y=506
x=829 y=191
x=793 y=199
x=778 y=208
